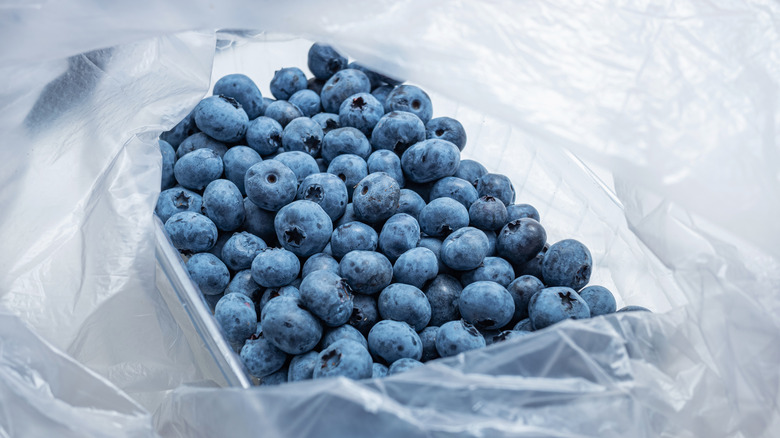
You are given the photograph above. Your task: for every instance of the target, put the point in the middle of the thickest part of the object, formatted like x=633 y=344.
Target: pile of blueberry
x=335 y=231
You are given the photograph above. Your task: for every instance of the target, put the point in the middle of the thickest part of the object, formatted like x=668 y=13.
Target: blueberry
x=434 y=245
x=212 y=300
x=315 y=85
x=224 y=204
x=404 y=302
x=283 y=112
x=522 y=289
x=260 y=357
x=304 y=135
x=520 y=240
x=237 y=161
x=555 y=304
x=367 y=272
x=393 y=340
x=396 y=131
x=287 y=82
x=486 y=304
x=244 y=91
x=403 y=365
x=488 y=213
x=382 y=92
x=324 y=61
x=185 y=128
x=241 y=249
x=327 y=296
x=198 y=168
x=209 y=273
x=259 y=222
x=167 y=180
x=322 y=165
x=320 y=262
x=410 y=203
x=361 y=111
x=175 y=200
x=221 y=118
x=270 y=185
x=190 y=231
x=301 y=163
x=242 y=283
x=498 y=186
x=222 y=239
x=307 y=101
x=600 y=300
x=387 y=162
x=378 y=371
x=533 y=266
x=567 y=263
x=442 y=216
x=276 y=292
x=345 y=141
x=340 y=86
x=364 y=313
x=493 y=269
x=634 y=309
x=416 y=267
x=327 y=121
x=376 y=197
x=410 y=99
x=471 y=171
x=456 y=337
x=327 y=190
x=492 y=242
x=465 y=249
x=422 y=189
x=236 y=314
x=428 y=338
x=350 y=168
x=446 y=128
x=345 y=331
x=353 y=236
x=303 y=227
x=275 y=267
x=264 y=135
x=289 y=326
x=524 y=326
x=347 y=217
x=519 y=211
x=430 y=160
x=455 y=188
x=302 y=367
x=399 y=234
x=345 y=358
x=376 y=79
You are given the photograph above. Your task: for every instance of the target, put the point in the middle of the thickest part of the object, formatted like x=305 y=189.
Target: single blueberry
x=283 y=112
x=241 y=249
x=567 y=263
x=345 y=358
x=209 y=273
x=327 y=296
x=289 y=326
x=260 y=357
x=392 y=340
x=185 y=128
x=323 y=61
x=276 y=292
x=347 y=217
x=471 y=171
x=287 y=82
x=367 y=272
x=524 y=325
x=322 y=165
x=264 y=135
x=404 y=302
x=493 y=269
x=274 y=379
x=387 y=162
x=446 y=128
x=303 y=227
x=304 y=135
x=307 y=101
x=379 y=371
x=442 y=216
x=361 y=111
x=347 y=140
x=327 y=190
x=522 y=289
x=212 y=300
x=428 y=338
x=275 y=267
x=382 y=92
x=430 y=160
x=244 y=91
x=353 y=236
x=410 y=203
x=533 y=266
x=221 y=241
x=237 y=161
x=224 y=204
x=498 y=186
x=486 y=304
x=350 y=168
x=465 y=249
x=315 y=85
x=600 y=300
x=221 y=118
x=456 y=337
x=195 y=170
x=434 y=245
x=320 y=262
x=270 y=185
x=416 y=267
x=327 y=121
x=235 y=314
x=520 y=240
x=455 y=188
x=399 y=234
x=396 y=131
x=492 y=242
x=259 y=222
x=301 y=163
x=377 y=79
x=175 y=200
x=364 y=313
x=376 y=197
x=555 y=304
x=410 y=99
x=340 y=86
x=302 y=367
x=167 y=180
x=403 y=365
x=422 y=189
x=345 y=331
x=488 y=213
x=190 y=231
x=242 y=283
x=519 y=211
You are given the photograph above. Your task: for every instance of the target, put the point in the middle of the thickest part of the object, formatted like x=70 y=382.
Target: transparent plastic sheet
x=677 y=99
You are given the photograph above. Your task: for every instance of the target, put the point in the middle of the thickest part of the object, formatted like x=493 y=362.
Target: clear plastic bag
x=677 y=100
